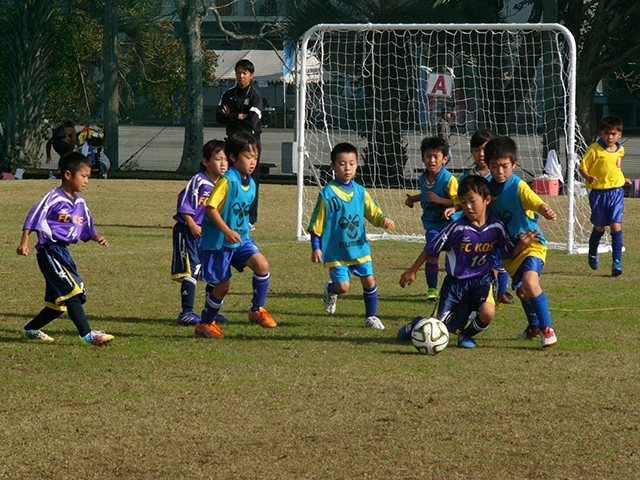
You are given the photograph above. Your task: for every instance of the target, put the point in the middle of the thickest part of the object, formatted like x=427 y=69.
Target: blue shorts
x=607 y=206
x=528 y=264
x=342 y=273
x=186 y=253
x=459 y=298
x=60 y=275
x=216 y=264
x=430 y=235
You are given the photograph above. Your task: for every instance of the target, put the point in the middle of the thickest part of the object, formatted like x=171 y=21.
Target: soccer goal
x=385 y=87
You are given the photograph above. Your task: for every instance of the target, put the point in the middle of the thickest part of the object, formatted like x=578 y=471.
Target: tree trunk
x=190 y=22
x=111 y=96
x=586 y=110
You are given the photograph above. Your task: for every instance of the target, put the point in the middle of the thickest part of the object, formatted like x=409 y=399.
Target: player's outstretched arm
x=100 y=239
x=23 y=249
x=408 y=277
x=411 y=200
x=388 y=223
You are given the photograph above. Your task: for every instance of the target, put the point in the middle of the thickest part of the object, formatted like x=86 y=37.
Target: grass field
x=319 y=397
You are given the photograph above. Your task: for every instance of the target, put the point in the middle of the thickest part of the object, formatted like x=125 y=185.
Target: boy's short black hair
x=210 y=149
x=72 y=162
x=474 y=183
x=610 y=122
x=238 y=143
x=343 y=147
x=500 y=147
x=434 y=143
x=246 y=64
x=480 y=137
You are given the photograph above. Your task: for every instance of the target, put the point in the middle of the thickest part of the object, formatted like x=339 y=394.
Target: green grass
x=319 y=397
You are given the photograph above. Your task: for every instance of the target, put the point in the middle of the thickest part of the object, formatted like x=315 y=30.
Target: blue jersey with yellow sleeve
x=445 y=186
x=338 y=219
x=517 y=205
x=604 y=165
x=474 y=171
x=231 y=197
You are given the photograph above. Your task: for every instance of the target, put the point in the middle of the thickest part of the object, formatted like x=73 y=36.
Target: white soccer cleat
x=36 y=335
x=329 y=300
x=374 y=322
x=548 y=337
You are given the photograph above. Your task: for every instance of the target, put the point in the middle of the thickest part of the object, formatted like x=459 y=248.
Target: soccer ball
x=430 y=336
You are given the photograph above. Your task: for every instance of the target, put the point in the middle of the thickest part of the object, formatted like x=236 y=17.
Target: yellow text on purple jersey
x=478 y=247
x=66 y=218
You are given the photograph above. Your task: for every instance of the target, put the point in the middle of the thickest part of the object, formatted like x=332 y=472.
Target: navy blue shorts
x=216 y=264
x=186 y=253
x=458 y=298
x=60 y=275
x=607 y=206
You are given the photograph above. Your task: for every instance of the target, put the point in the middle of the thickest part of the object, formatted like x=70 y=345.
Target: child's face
x=216 y=166
x=75 y=182
x=478 y=155
x=501 y=168
x=434 y=160
x=474 y=206
x=246 y=161
x=610 y=137
x=345 y=166
x=243 y=77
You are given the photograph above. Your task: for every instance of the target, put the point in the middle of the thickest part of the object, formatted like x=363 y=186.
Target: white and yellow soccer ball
x=430 y=336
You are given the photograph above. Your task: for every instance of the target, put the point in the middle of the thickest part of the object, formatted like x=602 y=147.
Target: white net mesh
x=384 y=88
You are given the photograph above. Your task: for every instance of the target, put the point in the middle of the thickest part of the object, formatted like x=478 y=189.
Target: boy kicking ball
x=61 y=218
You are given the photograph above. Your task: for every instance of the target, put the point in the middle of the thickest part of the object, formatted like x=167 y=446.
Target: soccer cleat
x=96 y=337
x=374 y=322
x=208 y=330
x=252 y=227
x=548 y=337
x=594 y=263
x=528 y=334
x=466 y=342
x=505 y=298
x=329 y=300
x=432 y=295
x=36 y=335
x=404 y=334
x=188 y=318
x=262 y=317
x=616 y=268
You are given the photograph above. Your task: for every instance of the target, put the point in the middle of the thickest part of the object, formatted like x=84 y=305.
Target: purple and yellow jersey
x=231 y=197
x=60 y=219
x=192 y=197
x=517 y=205
x=338 y=221
x=445 y=186
x=605 y=166
x=469 y=248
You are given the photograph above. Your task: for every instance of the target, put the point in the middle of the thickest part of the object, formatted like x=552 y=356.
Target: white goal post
x=383 y=87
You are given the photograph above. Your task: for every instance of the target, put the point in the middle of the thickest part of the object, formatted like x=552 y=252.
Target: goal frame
x=570 y=121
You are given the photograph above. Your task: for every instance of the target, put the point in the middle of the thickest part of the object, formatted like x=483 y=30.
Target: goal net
x=384 y=88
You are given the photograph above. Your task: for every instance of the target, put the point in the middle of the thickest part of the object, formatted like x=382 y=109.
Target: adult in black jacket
x=240 y=109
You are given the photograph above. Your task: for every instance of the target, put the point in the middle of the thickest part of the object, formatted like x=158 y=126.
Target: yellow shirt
x=605 y=166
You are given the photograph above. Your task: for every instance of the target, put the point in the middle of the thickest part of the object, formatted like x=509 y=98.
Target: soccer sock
x=77 y=315
x=210 y=287
x=260 y=291
x=532 y=318
x=540 y=305
x=594 y=241
x=46 y=316
x=616 y=245
x=212 y=306
x=503 y=281
x=370 y=296
x=431 y=272
x=188 y=293
x=331 y=288
x=474 y=327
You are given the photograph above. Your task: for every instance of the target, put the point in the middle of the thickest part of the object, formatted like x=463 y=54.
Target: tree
x=608 y=40
x=26 y=41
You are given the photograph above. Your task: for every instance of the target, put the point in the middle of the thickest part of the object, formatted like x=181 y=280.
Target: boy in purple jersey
x=187 y=232
x=469 y=243
x=61 y=218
